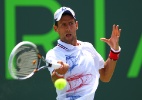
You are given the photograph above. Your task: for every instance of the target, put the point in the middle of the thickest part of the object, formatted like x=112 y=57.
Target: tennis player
x=81 y=65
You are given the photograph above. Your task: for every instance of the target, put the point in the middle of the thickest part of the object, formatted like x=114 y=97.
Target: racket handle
x=55 y=65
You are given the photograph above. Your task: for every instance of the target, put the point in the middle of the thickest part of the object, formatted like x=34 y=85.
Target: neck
x=74 y=43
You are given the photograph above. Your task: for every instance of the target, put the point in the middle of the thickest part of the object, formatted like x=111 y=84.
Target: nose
x=68 y=27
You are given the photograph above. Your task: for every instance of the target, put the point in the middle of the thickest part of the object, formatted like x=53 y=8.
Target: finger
x=117 y=28
x=60 y=62
x=113 y=30
x=119 y=32
x=104 y=39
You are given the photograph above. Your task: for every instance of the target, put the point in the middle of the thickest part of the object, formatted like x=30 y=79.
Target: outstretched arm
x=109 y=66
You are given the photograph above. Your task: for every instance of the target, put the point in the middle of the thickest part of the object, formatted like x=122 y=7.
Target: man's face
x=66 y=29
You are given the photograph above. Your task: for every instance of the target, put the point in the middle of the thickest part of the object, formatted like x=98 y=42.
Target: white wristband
x=116 y=51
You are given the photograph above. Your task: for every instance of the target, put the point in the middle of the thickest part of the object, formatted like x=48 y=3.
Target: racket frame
x=12 y=55
x=53 y=64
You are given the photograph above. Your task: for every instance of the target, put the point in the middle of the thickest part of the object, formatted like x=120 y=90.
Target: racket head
x=23 y=60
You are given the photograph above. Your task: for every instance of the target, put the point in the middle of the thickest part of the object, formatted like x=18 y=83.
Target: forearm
x=109 y=66
x=54 y=76
x=107 y=72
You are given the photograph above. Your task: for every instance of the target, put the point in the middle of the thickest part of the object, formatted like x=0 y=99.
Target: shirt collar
x=66 y=46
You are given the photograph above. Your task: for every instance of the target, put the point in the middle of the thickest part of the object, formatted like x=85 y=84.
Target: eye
x=71 y=23
x=63 y=24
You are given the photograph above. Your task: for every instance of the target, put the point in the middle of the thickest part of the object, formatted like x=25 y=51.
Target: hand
x=113 y=42
x=63 y=69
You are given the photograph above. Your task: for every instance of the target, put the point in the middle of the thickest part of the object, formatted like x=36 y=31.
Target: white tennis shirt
x=83 y=74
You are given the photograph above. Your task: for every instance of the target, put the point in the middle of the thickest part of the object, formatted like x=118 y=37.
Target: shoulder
x=52 y=51
x=55 y=52
x=87 y=44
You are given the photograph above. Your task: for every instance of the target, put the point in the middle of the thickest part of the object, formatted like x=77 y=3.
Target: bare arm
x=109 y=66
x=107 y=72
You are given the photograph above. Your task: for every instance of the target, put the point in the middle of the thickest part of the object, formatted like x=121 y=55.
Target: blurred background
x=32 y=20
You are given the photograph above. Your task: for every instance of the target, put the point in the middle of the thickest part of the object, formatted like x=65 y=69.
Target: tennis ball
x=60 y=83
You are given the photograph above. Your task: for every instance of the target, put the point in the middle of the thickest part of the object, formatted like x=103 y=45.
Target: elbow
x=105 y=80
x=105 y=77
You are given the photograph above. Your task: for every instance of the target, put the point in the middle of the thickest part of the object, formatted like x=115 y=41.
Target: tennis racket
x=25 y=60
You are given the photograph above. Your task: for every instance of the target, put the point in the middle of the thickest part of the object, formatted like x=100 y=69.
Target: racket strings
x=25 y=61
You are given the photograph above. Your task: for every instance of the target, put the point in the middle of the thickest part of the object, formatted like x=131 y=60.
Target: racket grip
x=55 y=65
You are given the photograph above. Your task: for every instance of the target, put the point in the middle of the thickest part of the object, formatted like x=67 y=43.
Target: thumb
x=104 y=39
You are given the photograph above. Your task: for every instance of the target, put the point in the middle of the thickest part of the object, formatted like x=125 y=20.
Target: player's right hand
x=63 y=69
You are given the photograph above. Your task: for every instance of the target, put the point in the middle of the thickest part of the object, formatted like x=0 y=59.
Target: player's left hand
x=113 y=41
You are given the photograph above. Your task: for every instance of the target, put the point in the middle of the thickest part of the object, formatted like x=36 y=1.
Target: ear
x=55 y=28
x=76 y=25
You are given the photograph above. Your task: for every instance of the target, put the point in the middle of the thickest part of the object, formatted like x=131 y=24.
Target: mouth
x=68 y=35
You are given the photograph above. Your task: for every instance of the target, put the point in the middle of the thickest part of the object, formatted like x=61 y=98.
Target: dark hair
x=56 y=22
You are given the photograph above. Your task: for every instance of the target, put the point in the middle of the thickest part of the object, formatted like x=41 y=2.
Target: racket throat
x=36 y=70
x=39 y=56
x=49 y=65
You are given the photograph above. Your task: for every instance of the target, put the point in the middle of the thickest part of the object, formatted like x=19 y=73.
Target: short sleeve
x=50 y=57
x=99 y=61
